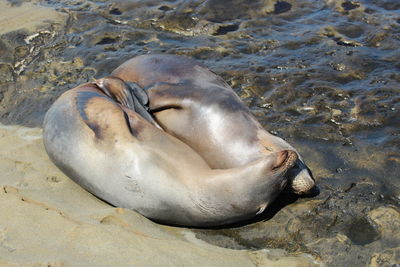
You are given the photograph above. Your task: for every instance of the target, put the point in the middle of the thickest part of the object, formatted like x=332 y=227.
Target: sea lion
x=168 y=138
x=198 y=107
x=95 y=137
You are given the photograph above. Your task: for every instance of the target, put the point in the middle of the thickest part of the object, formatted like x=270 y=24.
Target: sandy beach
x=48 y=220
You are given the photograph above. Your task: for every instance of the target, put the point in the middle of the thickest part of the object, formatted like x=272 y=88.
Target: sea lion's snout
x=303 y=183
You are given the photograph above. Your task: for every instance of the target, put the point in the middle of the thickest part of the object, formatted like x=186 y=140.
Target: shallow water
x=324 y=75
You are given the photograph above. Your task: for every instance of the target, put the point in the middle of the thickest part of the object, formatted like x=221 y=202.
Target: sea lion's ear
x=117 y=90
x=139 y=92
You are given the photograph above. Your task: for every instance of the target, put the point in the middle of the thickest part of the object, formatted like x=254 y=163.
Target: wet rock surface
x=323 y=75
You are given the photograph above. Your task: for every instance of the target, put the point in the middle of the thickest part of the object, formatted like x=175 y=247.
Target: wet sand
x=27 y=16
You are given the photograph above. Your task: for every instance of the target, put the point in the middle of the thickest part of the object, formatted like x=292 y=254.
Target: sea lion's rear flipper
x=139 y=93
x=128 y=95
x=143 y=111
x=141 y=102
x=117 y=90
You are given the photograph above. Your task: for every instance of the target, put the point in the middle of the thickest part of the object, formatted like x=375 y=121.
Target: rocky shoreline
x=323 y=76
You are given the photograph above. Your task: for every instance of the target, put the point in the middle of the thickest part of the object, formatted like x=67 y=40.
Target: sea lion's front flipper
x=254 y=185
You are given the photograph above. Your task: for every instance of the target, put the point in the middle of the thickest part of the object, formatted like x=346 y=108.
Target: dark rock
x=349 y=5
x=282 y=7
